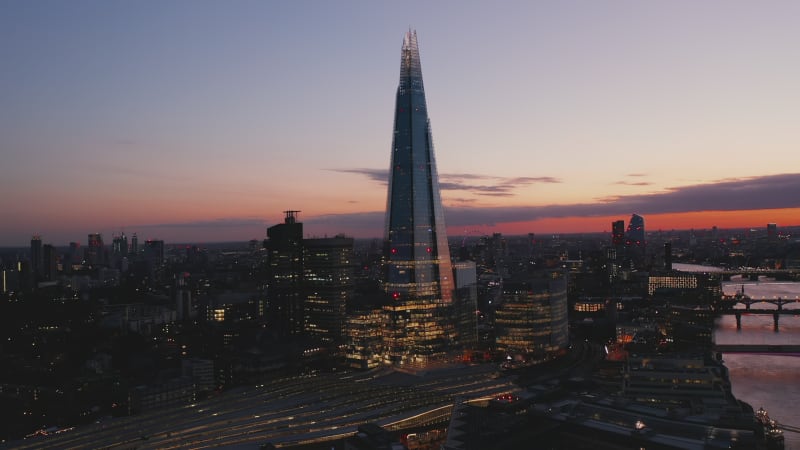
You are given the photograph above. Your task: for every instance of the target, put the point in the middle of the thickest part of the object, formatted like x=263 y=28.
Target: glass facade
x=418 y=272
x=532 y=318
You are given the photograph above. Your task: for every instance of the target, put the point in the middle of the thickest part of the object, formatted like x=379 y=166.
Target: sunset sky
x=202 y=121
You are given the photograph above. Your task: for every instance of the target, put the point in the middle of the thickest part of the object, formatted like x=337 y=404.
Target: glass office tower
x=418 y=273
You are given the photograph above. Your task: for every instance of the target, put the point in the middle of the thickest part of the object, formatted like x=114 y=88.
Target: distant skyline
x=201 y=121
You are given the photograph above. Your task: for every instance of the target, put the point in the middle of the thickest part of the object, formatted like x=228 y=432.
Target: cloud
x=379 y=175
x=753 y=193
x=634 y=183
x=468 y=182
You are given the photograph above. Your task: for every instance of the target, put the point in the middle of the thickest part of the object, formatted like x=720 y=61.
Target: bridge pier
x=738 y=320
x=775 y=317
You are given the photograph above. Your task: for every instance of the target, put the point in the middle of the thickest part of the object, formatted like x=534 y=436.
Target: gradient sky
x=203 y=121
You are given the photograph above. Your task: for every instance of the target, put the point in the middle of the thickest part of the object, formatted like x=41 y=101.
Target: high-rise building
x=75 y=255
x=49 y=268
x=617 y=233
x=95 y=250
x=119 y=245
x=328 y=284
x=465 y=303
x=772 y=232
x=531 y=320
x=635 y=235
x=635 y=244
x=154 y=251
x=363 y=336
x=134 y=245
x=285 y=258
x=418 y=273
x=36 y=258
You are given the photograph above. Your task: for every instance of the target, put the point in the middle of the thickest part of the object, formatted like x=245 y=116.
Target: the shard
x=418 y=272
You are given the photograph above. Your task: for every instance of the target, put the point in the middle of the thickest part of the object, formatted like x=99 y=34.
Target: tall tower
x=37 y=267
x=618 y=233
x=285 y=250
x=418 y=273
x=635 y=241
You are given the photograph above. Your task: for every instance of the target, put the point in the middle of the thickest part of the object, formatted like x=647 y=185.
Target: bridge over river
x=755 y=274
x=728 y=305
x=759 y=348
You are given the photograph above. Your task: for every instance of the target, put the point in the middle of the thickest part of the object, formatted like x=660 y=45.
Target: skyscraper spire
x=418 y=272
x=410 y=67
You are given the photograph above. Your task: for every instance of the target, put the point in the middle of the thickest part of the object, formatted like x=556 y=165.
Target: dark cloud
x=379 y=175
x=500 y=189
x=755 y=193
x=491 y=185
x=636 y=175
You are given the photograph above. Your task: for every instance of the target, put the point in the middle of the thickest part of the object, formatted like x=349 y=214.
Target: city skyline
x=203 y=122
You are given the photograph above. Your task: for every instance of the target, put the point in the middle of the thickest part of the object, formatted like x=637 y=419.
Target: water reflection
x=771 y=381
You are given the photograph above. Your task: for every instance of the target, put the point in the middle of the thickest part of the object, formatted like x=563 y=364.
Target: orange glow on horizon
x=673 y=221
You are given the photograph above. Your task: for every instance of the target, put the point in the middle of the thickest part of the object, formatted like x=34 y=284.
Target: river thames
x=768 y=381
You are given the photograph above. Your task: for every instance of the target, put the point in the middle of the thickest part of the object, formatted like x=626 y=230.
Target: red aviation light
x=428 y=249
x=394 y=251
x=395 y=295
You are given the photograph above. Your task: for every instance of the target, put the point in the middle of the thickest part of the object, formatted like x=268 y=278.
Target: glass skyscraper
x=418 y=273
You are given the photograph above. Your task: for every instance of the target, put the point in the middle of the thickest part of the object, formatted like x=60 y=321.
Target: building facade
x=532 y=318
x=310 y=282
x=465 y=303
x=418 y=274
x=285 y=258
x=328 y=282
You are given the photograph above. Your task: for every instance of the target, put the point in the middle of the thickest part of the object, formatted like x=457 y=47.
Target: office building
x=772 y=232
x=618 y=233
x=119 y=245
x=95 y=250
x=154 y=251
x=364 y=338
x=285 y=258
x=328 y=284
x=634 y=237
x=36 y=258
x=49 y=268
x=310 y=282
x=531 y=320
x=466 y=302
x=418 y=275
x=635 y=245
